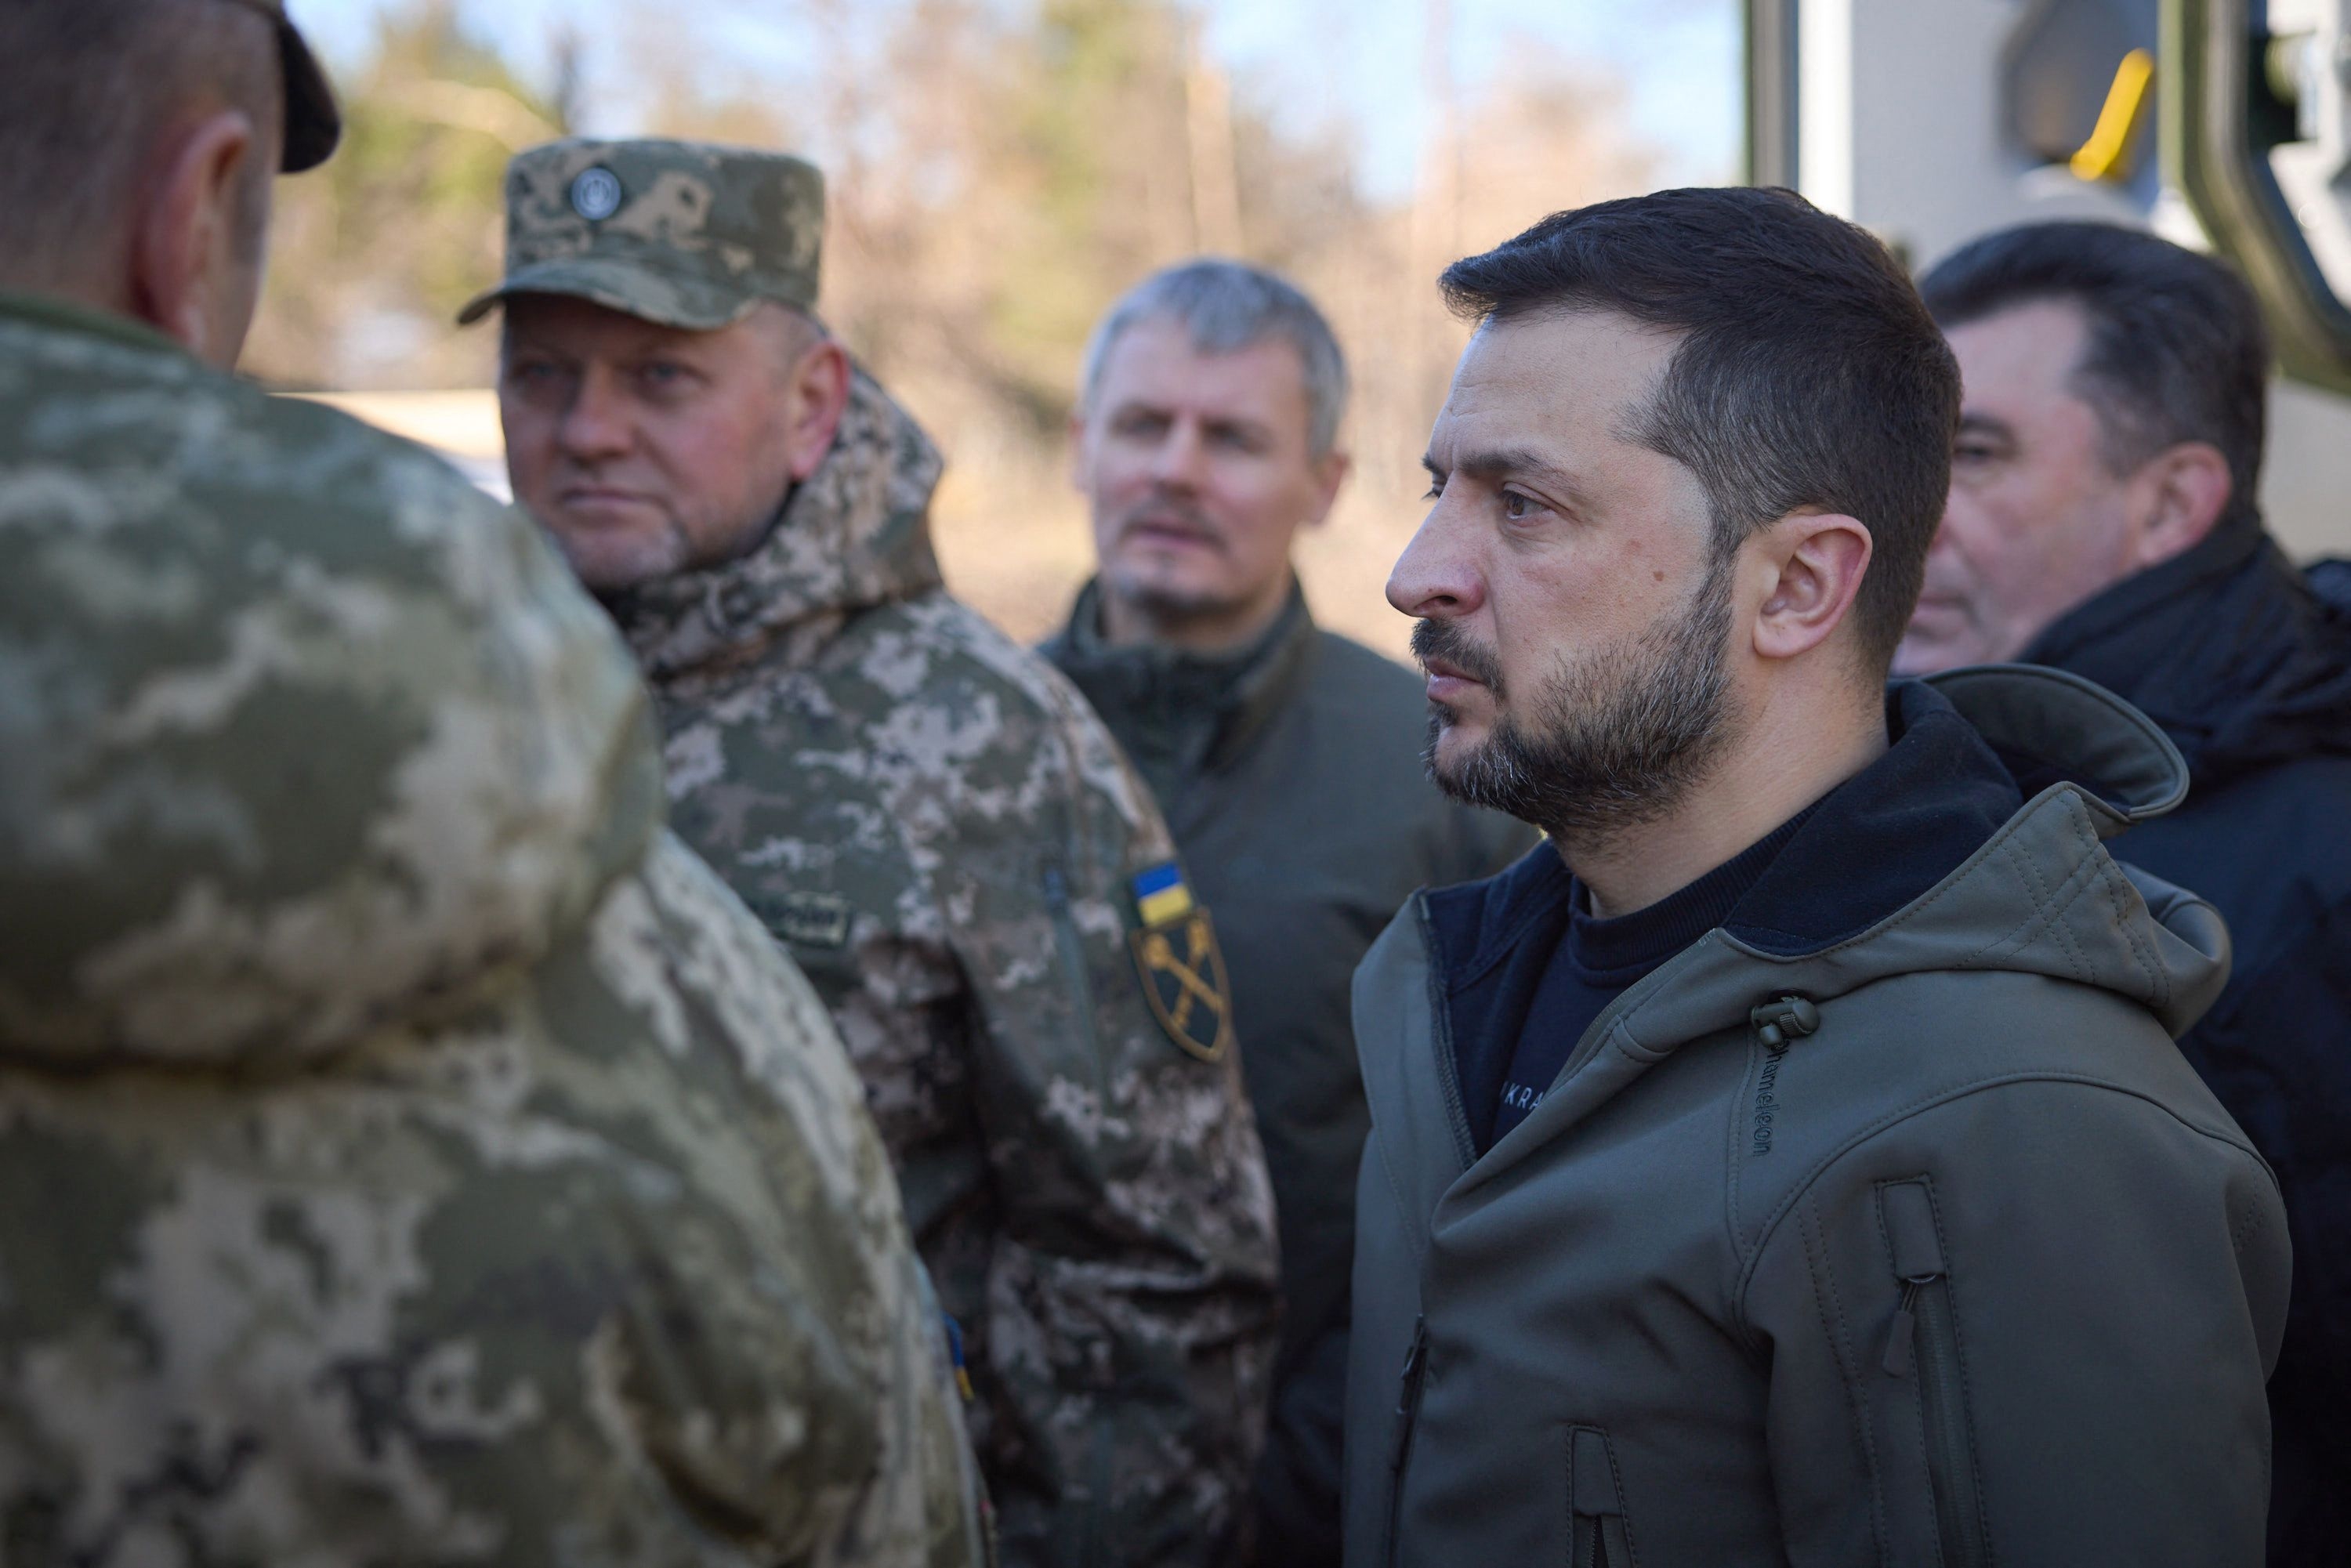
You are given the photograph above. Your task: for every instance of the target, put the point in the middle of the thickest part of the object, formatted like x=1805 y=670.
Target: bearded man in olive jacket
x=1286 y=757
x=1792 y=1164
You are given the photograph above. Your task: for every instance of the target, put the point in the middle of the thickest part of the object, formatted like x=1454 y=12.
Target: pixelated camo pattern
x=408 y=1151
x=944 y=834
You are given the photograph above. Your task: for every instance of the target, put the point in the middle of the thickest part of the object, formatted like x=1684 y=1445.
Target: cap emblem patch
x=596 y=193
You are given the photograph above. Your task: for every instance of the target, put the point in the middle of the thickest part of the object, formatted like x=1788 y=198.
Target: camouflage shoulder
x=223 y=616
x=1042 y=709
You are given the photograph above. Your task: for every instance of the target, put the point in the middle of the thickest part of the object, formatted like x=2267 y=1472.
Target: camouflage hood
x=856 y=533
x=269 y=780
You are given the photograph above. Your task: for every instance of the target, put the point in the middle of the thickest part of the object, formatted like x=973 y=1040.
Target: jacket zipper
x=1073 y=958
x=1598 y=1542
x=1600 y=1538
x=1923 y=1343
x=1440 y=1041
x=1407 y=1411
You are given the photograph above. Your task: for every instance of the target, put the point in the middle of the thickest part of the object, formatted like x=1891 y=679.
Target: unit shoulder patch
x=1181 y=967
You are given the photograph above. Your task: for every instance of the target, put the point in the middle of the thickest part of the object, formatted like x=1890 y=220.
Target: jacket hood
x=1974 y=842
x=2243 y=660
x=854 y=534
x=299 y=736
x=2039 y=895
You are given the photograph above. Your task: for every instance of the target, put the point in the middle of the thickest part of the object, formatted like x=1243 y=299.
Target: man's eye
x=664 y=372
x=1517 y=507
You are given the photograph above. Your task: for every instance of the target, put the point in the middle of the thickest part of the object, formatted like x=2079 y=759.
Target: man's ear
x=818 y=397
x=187 y=234
x=2178 y=496
x=1331 y=471
x=1816 y=562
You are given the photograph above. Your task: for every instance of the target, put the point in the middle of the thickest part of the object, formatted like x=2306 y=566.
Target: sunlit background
x=1000 y=171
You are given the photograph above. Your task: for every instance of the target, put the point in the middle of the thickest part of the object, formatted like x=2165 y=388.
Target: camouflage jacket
x=948 y=840
x=408 y=1151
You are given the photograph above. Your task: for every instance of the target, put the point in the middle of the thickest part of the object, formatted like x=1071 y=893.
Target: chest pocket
x=1069 y=945
x=1925 y=1380
x=1601 y=1533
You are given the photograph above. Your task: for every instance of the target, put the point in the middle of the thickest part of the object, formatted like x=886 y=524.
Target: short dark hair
x=2177 y=351
x=1808 y=374
x=91 y=84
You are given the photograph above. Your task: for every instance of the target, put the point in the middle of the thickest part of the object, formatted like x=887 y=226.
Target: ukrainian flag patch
x=1160 y=895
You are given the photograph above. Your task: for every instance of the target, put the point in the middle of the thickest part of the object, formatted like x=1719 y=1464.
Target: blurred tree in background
x=998 y=171
x=375 y=252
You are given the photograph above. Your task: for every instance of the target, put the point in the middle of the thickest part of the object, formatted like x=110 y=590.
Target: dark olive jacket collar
x=1231 y=696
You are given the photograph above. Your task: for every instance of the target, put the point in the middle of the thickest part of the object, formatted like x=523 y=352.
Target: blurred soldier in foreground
x=2104 y=518
x=408 y=1153
x=1286 y=757
x=927 y=816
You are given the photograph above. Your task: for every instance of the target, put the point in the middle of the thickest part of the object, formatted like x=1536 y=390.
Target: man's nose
x=1436 y=577
x=1175 y=466
x=596 y=422
x=1939 y=542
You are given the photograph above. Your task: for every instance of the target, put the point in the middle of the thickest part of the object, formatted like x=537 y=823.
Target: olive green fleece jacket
x=1922 y=1244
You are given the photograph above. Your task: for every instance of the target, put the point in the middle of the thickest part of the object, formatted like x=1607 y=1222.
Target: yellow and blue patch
x=1182 y=969
x=1160 y=895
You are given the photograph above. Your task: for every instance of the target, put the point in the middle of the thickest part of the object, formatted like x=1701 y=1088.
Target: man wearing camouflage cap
x=409 y=1153
x=927 y=816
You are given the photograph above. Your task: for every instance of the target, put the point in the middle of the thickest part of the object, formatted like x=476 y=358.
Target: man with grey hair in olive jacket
x=1207 y=438
x=1791 y=1163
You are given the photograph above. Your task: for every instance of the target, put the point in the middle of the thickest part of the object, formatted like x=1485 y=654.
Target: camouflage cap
x=313 y=122
x=687 y=234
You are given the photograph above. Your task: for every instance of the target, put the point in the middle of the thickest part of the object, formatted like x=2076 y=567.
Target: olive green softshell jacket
x=1975 y=1272
x=409 y=1154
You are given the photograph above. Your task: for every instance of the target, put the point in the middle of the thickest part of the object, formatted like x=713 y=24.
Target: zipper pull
x=1917 y=1249
x=1408 y=1392
x=1902 y=1341
x=1776 y=1020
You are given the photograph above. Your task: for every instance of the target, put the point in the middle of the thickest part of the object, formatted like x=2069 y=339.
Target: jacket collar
x=66 y=315
x=2226 y=647
x=2087 y=634
x=1880 y=849
x=1241 y=690
x=2037 y=895
x=1862 y=852
x=854 y=534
